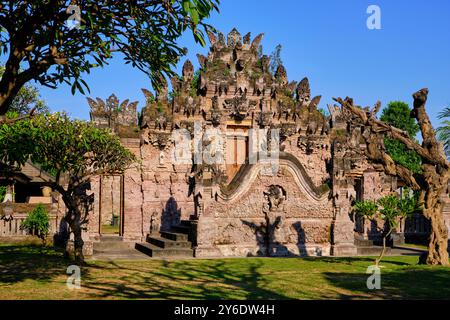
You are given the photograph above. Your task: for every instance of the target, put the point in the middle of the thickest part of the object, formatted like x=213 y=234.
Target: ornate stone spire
x=212 y=38
x=257 y=41
x=188 y=71
x=303 y=90
x=234 y=38
x=247 y=38
x=281 y=75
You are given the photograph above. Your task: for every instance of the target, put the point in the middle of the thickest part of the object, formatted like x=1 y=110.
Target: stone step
x=167 y=243
x=181 y=229
x=174 y=236
x=363 y=243
x=114 y=251
x=157 y=252
x=371 y=250
x=111 y=238
x=106 y=246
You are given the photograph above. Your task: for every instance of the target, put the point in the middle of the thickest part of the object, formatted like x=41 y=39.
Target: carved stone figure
x=275 y=196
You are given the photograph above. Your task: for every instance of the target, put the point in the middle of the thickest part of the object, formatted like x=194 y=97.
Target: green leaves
x=443 y=131
x=37 y=222
x=398 y=114
x=366 y=208
x=388 y=208
x=145 y=32
x=59 y=144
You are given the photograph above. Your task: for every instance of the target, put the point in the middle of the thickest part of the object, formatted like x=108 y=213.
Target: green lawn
x=34 y=272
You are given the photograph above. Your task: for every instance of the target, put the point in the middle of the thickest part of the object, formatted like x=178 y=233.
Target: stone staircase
x=174 y=243
x=112 y=247
x=366 y=247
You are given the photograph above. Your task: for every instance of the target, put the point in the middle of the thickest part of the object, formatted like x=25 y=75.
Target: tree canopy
x=56 y=41
x=398 y=114
x=443 y=131
x=74 y=150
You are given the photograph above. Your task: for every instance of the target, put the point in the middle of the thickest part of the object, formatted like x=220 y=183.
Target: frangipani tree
x=389 y=209
x=74 y=149
x=56 y=41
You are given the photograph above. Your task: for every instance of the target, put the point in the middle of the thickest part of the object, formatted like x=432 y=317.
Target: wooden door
x=236 y=149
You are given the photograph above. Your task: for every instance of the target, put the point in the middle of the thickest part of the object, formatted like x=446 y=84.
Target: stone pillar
x=94 y=219
x=206 y=226
x=343 y=226
x=132 y=197
x=343 y=234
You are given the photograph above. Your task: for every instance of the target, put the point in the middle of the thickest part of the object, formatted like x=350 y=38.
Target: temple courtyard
x=31 y=271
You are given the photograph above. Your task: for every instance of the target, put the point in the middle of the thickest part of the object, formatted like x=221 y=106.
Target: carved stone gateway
x=231 y=208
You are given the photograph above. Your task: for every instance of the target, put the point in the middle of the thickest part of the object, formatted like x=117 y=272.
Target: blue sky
x=325 y=40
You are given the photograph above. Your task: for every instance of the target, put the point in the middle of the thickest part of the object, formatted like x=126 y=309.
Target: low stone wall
x=10 y=227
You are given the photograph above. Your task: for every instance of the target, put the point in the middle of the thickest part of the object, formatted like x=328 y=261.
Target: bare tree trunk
x=433 y=211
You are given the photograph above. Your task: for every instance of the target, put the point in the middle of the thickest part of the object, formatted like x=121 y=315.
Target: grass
x=109 y=229
x=36 y=272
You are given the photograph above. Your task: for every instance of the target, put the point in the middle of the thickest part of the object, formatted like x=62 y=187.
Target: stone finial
x=161 y=93
x=93 y=105
x=234 y=38
x=112 y=102
x=303 y=90
x=124 y=104
x=257 y=41
x=247 y=38
x=281 y=75
x=148 y=95
x=212 y=38
x=221 y=41
x=188 y=71
x=202 y=60
x=314 y=102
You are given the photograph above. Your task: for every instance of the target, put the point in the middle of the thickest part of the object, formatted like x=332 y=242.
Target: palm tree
x=443 y=131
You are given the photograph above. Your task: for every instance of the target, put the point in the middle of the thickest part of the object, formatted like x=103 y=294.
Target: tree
x=55 y=41
x=74 y=149
x=275 y=59
x=398 y=114
x=432 y=181
x=28 y=98
x=443 y=131
x=37 y=223
x=390 y=210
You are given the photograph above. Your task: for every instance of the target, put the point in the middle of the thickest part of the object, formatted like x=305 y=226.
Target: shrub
x=2 y=193
x=37 y=223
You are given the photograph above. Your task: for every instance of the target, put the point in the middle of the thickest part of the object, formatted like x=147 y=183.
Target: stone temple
x=244 y=205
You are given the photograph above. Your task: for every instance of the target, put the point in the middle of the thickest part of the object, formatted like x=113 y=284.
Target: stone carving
x=112 y=113
x=281 y=75
x=239 y=106
x=275 y=196
x=234 y=38
x=303 y=90
x=188 y=71
x=257 y=41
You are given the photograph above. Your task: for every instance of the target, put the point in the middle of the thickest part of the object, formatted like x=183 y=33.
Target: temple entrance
x=236 y=149
x=111 y=205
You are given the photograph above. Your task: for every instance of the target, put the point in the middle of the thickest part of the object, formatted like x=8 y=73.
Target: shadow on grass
x=31 y=261
x=414 y=282
x=209 y=279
